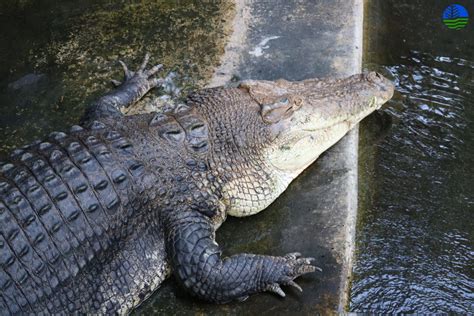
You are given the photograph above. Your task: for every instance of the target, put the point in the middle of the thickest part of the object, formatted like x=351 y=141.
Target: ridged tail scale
x=61 y=204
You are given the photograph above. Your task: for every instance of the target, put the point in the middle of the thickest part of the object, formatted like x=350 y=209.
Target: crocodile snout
x=386 y=87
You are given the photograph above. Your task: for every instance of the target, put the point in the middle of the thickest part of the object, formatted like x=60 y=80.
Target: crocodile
x=93 y=220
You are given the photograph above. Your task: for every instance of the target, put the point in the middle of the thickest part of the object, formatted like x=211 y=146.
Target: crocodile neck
x=220 y=156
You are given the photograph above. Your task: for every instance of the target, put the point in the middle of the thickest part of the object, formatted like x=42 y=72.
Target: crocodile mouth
x=298 y=152
x=325 y=128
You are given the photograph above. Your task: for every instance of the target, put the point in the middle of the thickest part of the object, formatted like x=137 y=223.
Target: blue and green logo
x=455 y=17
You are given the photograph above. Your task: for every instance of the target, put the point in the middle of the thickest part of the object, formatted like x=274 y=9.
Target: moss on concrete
x=77 y=46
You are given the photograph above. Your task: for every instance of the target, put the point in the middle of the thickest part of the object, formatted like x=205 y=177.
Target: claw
x=128 y=73
x=154 y=70
x=156 y=82
x=293 y=255
x=306 y=260
x=294 y=284
x=305 y=269
x=275 y=288
x=116 y=83
x=144 y=63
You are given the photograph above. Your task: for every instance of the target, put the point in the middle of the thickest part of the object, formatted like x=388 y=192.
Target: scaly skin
x=92 y=221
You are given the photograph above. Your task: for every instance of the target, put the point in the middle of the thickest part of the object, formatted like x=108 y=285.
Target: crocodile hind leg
x=134 y=86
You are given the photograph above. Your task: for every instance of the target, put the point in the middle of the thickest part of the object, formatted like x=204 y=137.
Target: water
x=415 y=249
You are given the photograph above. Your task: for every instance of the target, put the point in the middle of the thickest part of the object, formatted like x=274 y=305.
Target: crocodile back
x=65 y=203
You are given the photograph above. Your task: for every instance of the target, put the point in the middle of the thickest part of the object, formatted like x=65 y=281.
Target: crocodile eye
x=284 y=101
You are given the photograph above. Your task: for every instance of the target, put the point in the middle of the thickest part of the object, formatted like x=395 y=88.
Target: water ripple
x=416 y=252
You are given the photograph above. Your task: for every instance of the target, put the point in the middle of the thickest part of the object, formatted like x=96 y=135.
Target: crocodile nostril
x=375 y=77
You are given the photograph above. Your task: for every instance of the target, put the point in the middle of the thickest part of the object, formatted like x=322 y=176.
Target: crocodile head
x=307 y=117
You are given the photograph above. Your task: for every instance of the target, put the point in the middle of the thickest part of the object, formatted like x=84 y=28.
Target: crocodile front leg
x=132 y=89
x=197 y=263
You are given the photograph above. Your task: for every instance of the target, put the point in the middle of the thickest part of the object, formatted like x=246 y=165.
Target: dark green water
x=415 y=241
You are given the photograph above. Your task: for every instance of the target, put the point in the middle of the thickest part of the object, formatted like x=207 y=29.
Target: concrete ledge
x=316 y=215
x=297 y=40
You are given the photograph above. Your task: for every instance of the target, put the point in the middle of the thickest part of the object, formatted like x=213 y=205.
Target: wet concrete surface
x=316 y=214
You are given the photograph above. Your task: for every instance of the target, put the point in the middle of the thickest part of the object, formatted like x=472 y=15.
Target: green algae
x=76 y=46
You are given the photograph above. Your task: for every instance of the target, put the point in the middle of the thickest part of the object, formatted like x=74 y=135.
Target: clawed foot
x=292 y=266
x=142 y=77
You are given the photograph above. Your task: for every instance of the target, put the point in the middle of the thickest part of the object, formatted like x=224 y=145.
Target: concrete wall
x=317 y=214
x=297 y=40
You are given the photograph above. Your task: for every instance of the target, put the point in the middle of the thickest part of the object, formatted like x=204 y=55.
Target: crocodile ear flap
x=274 y=112
x=274 y=104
